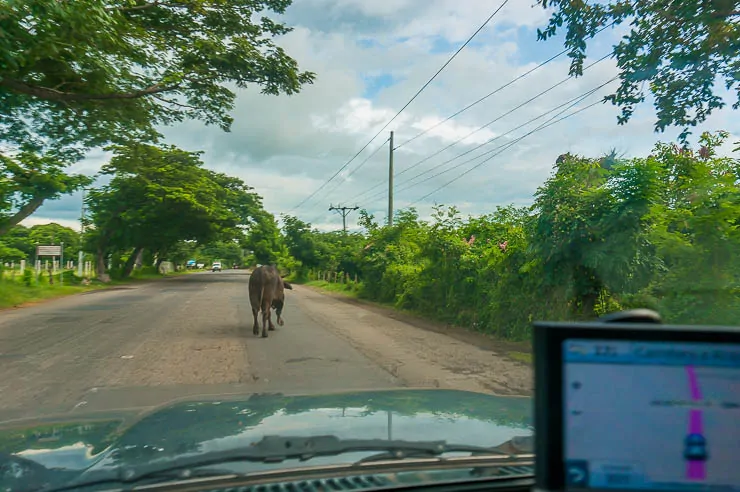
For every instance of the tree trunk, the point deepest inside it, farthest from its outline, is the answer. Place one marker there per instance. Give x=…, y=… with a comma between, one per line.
x=21, y=214
x=129, y=267
x=100, y=266
x=139, y=261
x=160, y=259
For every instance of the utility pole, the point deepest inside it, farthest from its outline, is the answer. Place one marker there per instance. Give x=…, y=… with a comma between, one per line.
x=80, y=254
x=390, y=182
x=344, y=211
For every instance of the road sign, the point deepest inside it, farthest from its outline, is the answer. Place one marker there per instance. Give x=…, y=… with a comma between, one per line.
x=48, y=251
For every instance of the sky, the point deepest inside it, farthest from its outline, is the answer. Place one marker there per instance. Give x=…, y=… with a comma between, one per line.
x=370, y=58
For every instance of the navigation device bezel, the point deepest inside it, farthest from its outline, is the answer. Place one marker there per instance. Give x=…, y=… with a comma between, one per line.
x=548, y=338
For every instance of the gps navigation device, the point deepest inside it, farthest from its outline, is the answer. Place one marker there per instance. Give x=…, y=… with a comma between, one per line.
x=637, y=406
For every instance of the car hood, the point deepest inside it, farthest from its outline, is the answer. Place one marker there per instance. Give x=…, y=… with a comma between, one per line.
x=192, y=427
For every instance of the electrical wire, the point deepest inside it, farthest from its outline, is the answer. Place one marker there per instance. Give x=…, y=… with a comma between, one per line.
x=491, y=93
x=407, y=104
x=337, y=185
x=576, y=100
x=540, y=94
x=547, y=124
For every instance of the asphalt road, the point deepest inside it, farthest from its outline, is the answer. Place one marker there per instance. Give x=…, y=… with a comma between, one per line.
x=183, y=336
x=144, y=345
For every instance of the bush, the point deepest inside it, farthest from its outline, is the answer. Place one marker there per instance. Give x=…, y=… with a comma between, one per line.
x=28, y=277
x=659, y=232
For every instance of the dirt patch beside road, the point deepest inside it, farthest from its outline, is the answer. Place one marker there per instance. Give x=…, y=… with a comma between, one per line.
x=419, y=352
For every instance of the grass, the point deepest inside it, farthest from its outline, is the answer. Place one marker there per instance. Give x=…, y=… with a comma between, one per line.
x=349, y=290
x=14, y=293
x=520, y=356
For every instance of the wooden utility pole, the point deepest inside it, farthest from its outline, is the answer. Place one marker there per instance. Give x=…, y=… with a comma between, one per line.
x=344, y=211
x=390, y=182
x=81, y=254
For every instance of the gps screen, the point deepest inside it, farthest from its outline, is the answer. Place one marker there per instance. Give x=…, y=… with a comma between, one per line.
x=651, y=416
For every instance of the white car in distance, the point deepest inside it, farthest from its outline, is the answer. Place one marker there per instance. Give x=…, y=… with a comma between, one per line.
x=216, y=266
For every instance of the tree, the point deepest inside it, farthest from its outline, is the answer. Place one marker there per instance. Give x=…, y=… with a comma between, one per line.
x=300, y=241
x=28, y=179
x=18, y=239
x=264, y=240
x=590, y=231
x=44, y=234
x=160, y=196
x=83, y=74
x=228, y=252
x=80, y=74
x=679, y=48
x=696, y=233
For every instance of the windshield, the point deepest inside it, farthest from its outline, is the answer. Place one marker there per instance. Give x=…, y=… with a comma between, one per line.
x=221, y=221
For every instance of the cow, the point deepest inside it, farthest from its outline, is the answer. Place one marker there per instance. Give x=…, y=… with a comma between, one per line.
x=266, y=291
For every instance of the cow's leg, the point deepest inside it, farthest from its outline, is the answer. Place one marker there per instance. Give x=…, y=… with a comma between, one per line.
x=265, y=319
x=268, y=325
x=256, y=325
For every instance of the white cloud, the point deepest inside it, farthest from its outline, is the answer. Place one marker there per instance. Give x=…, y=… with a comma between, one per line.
x=286, y=147
x=40, y=220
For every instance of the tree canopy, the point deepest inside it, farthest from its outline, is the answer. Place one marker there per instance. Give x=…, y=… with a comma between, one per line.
x=160, y=196
x=80, y=74
x=26, y=180
x=680, y=50
x=20, y=242
x=88, y=73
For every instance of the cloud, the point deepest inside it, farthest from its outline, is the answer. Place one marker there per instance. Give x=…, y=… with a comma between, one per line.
x=370, y=59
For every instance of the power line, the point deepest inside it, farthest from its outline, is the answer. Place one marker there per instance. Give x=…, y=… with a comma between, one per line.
x=490, y=94
x=575, y=100
x=507, y=146
x=540, y=94
x=354, y=170
x=570, y=103
x=416, y=164
x=407, y=104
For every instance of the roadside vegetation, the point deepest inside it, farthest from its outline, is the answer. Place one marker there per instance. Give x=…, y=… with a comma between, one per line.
x=602, y=235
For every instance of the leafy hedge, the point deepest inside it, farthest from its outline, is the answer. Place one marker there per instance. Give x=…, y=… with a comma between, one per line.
x=602, y=235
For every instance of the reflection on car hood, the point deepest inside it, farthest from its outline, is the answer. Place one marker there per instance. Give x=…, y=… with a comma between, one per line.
x=194, y=427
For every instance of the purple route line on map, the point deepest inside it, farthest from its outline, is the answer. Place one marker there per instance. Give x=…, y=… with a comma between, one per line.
x=695, y=470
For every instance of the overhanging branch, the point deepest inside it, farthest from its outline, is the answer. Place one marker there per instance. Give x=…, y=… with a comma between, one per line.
x=55, y=95
x=148, y=5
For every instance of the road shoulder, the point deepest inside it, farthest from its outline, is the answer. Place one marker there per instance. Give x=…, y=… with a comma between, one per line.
x=419, y=352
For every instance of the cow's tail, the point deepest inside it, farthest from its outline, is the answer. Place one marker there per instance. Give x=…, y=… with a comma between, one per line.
x=262, y=296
